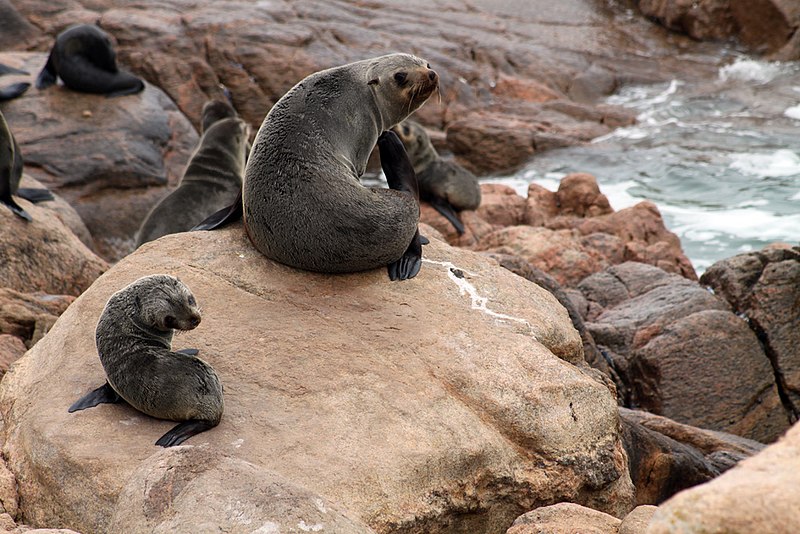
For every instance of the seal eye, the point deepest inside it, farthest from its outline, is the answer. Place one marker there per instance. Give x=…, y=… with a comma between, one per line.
x=406, y=130
x=191, y=301
x=401, y=78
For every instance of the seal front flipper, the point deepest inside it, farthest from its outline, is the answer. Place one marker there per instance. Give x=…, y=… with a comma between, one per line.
x=47, y=76
x=189, y=352
x=448, y=212
x=35, y=194
x=410, y=262
x=13, y=90
x=396, y=164
x=16, y=208
x=222, y=217
x=184, y=431
x=103, y=394
x=7, y=69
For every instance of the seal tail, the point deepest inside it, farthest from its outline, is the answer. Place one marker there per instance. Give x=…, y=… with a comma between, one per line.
x=13, y=91
x=47, y=76
x=222, y=217
x=35, y=194
x=184, y=431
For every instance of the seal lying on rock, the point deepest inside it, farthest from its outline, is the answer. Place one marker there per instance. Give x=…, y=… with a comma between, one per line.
x=85, y=60
x=11, y=173
x=302, y=200
x=445, y=185
x=212, y=179
x=134, y=337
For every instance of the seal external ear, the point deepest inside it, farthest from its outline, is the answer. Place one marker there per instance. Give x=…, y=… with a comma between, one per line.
x=103, y=394
x=400, y=176
x=184, y=431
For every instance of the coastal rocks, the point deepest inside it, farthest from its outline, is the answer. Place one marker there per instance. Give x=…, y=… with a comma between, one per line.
x=419, y=429
x=767, y=26
x=123, y=153
x=44, y=255
x=764, y=287
x=680, y=352
x=758, y=495
x=30, y=316
x=565, y=518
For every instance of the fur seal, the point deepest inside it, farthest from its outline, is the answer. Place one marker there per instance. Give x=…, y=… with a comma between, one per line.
x=134, y=337
x=302, y=202
x=11, y=165
x=212, y=178
x=86, y=61
x=444, y=184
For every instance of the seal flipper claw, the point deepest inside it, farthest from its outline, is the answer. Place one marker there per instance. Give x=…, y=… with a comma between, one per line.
x=103, y=394
x=222, y=217
x=183, y=431
x=448, y=212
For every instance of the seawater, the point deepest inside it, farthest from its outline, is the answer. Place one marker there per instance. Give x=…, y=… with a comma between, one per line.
x=720, y=158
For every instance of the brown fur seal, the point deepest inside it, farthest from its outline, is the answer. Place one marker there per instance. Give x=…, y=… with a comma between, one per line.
x=211, y=181
x=11, y=165
x=134, y=338
x=303, y=203
x=86, y=61
x=445, y=185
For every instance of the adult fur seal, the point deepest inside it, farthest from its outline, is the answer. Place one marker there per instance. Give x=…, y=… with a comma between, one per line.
x=302, y=200
x=134, y=337
x=11, y=165
x=212, y=179
x=445, y=185
x=86, y=61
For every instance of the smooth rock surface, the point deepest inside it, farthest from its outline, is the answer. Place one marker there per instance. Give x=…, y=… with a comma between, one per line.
x=565, y=518
x=408, y=404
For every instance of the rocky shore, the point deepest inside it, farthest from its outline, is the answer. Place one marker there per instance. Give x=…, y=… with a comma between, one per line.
x=558, y=367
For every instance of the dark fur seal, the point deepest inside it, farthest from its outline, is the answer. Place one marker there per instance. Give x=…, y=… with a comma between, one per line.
x=134, y=337
x=85, y=60
x=302, y=200
x=11, y=165
x=212, y=179
x=445, y=185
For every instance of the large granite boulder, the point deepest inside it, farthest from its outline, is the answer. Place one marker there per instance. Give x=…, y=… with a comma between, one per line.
x=681, y=352
x=110, y=158
x=764, y=287
x=758, y=495
x=452, y=402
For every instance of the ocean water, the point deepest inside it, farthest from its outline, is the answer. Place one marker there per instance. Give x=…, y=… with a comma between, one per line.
x=720, y=158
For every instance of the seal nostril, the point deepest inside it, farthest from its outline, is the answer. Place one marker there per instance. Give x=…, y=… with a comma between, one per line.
x=432, y=75
x=195, y=320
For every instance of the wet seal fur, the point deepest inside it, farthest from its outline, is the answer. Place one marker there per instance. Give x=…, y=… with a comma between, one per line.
x=212, y=178
x=134, y=338
x=444, y=184
x=302, y=200
x=84, y=58
x=11, y=165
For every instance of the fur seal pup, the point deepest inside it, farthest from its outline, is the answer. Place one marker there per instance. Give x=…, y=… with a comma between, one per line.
x=445, y=185
x=302, y=200
x=86, y=61
x=134, y=337
x=212, y=178
x=11, y=165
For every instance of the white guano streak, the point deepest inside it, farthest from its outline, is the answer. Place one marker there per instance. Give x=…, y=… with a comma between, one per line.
x=478, y=302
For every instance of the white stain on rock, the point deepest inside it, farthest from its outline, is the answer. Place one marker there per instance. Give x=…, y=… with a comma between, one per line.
x=310, y=528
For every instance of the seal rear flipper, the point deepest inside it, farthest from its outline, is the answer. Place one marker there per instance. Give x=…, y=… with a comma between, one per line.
x=13, y=90
x=101, y=395
x=132, y=90
x=183, y=431
x=409, y=263
x=189, y=352
x=47, y=76
x=16, y=208
x=7, y=69
x=35, y=194
x=222, y=217
x=448, y=212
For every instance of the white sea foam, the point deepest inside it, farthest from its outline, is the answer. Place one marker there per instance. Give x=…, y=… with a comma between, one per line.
x=743, y=223
x=751, y=70
x=793, y=112
x=782, y=162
